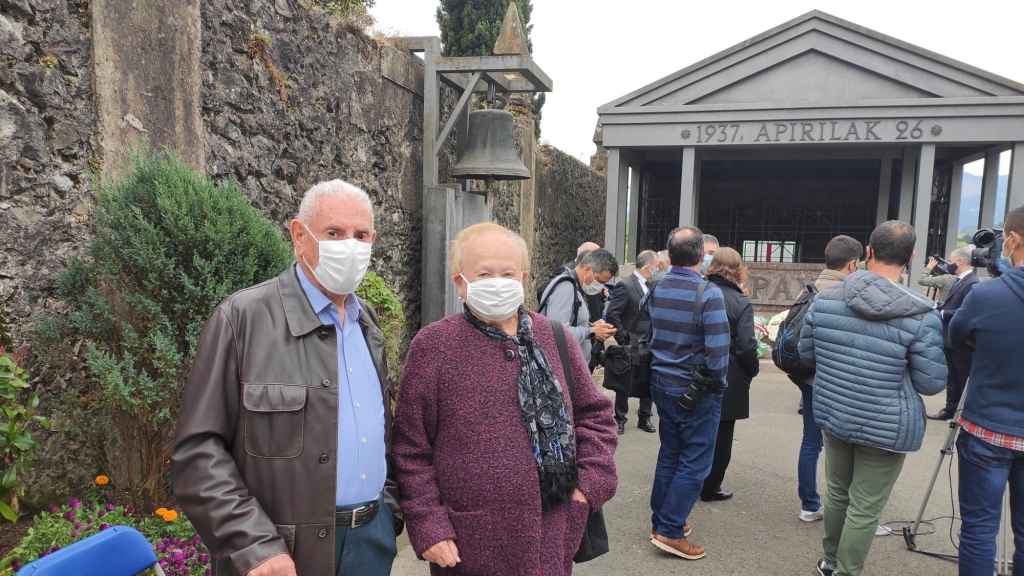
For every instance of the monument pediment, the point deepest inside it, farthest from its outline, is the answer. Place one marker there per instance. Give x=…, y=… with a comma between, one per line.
x=816, y=60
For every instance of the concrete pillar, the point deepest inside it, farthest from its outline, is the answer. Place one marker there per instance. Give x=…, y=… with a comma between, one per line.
x=688, y=189
x=433, y=236
x=989, y=186
x=134, y=49
x=462, y=210
x=615, y=203
x=906, y=212
x=1015, y=191
x=955, y=199
x=884, y=184
x=922, y=209
x=634, y=210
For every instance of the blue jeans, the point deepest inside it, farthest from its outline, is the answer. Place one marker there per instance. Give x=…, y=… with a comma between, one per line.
x=368, y=550
x=684, y=460
x=810, y=450
x=985, y=471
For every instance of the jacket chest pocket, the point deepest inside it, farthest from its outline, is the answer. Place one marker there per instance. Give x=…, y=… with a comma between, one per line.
x=273, y=420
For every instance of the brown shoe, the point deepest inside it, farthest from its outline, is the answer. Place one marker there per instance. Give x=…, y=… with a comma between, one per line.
x=687, y=530
x=678, y=547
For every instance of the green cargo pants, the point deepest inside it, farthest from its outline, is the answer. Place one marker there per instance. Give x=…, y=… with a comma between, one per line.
x=860, y=480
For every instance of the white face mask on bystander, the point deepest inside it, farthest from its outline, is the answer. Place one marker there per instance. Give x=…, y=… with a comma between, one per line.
x=343, y=263
x=494, y=299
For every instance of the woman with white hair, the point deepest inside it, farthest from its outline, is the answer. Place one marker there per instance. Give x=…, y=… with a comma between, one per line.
x=500, y=454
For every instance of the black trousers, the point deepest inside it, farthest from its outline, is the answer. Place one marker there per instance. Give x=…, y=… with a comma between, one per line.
x=959, y=365
x=622, y=407
x=723, y=454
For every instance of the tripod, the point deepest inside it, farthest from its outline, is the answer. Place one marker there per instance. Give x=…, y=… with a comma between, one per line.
x=1004, y=564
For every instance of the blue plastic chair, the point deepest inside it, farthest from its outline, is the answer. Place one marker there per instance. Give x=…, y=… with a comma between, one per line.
x=116, y=551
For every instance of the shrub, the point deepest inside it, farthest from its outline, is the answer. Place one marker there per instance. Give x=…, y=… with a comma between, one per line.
x=169, y=245
x=18, y=407
x=354, y=14
x=391, y=316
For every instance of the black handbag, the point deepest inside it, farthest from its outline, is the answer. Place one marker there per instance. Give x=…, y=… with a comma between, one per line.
x=618, y=369
x=595, y=536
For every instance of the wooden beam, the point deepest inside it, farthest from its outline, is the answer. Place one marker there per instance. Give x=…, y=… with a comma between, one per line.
x=522, y=65
x=460, y=107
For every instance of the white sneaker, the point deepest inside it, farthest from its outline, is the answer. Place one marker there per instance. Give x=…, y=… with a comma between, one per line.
x=807, y=516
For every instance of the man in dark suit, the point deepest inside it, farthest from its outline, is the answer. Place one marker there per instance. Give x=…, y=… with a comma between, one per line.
x=957, y=359
x=624, y=313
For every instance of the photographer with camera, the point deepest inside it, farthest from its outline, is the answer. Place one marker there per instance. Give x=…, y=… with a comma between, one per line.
x=958, y=358
x=938, y=278
x=689, y=343
x=992, y=448
x=875, y=345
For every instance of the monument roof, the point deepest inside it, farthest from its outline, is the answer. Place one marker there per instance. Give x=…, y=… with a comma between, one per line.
x=816, y=61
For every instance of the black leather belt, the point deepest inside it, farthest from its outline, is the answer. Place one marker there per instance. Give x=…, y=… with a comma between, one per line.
x=357, y=516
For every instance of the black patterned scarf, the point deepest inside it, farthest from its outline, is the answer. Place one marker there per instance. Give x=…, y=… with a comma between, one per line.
x=543, y=409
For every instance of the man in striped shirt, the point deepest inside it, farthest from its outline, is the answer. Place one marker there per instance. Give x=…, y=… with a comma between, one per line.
x=679, y=345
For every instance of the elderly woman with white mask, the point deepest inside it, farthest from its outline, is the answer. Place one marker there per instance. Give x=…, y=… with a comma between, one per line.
x=499, y=463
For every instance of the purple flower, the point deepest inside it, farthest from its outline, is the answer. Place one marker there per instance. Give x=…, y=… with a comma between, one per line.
x=75, y=503
x=69, y=515
x=109, y=507
x=104, y=526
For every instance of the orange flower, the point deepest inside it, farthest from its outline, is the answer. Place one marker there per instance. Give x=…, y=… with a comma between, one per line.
x=102, y=480
x=161, y=511
x=170, y=516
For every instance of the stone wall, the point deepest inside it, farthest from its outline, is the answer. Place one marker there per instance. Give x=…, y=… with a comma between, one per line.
x=47, y=143
x=570, y=210
x=291, y=98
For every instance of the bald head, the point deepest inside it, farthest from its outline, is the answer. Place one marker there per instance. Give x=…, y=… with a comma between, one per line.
x=587, y=247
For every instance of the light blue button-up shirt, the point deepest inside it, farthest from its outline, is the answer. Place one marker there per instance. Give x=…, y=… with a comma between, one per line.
x=361, y=463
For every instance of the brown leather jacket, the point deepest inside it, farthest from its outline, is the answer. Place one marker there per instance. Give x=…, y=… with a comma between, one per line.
x=253, y=464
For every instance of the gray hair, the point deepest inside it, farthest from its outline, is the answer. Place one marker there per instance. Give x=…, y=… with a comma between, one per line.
x=711, y=239
x=311, y=199
x=600, y=261
x=646, y=257
x=663, y=255
x=962, y=253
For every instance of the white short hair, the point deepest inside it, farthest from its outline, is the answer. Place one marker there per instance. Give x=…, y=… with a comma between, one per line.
x=310, y=200
x=962, y=253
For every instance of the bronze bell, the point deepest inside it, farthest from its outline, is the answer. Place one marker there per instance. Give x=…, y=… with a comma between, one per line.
x=489, y=151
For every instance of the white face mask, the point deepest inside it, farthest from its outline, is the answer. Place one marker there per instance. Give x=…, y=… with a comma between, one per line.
x=494, y=299
x=343, y=263
x=593, y=289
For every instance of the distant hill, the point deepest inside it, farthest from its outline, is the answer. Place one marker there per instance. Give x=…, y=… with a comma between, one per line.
x=970, y=208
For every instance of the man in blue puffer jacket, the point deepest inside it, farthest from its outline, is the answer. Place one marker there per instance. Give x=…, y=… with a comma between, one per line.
x=876, y=345
x=991, y=445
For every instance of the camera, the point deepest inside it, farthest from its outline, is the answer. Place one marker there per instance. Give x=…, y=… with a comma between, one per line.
x=988, y=249
x=943, y=267
x=704, y=382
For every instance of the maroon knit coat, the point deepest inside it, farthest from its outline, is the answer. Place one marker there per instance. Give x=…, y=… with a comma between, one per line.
x=463, y=459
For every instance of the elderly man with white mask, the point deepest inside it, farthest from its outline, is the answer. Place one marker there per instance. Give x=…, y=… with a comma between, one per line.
x=281, y=453
x=503, y=445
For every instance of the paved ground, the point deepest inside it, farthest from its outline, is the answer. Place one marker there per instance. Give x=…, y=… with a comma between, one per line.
x=758, y=531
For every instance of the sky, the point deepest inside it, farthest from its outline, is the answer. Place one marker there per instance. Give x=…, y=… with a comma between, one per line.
x=598, y=50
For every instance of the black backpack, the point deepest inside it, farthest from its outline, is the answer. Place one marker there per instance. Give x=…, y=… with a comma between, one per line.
x=784, y=352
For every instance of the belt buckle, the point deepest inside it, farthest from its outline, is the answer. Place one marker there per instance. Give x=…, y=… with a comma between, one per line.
x=355, y=513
